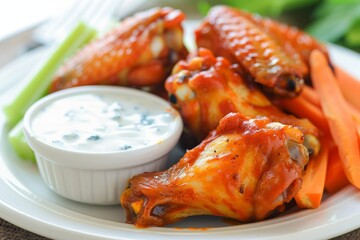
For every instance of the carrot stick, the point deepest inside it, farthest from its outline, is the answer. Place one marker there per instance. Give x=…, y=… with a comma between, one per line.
x=305, y=109
x=335, y=175
x=355, y=113
x=341, y=124
x=349, y=86
x=312, y=189
x=309, y=94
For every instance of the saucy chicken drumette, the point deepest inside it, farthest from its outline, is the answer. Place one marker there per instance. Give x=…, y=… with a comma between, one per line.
x=205, y=88
x=246, y=169
x=275, y=55
x=139, y=52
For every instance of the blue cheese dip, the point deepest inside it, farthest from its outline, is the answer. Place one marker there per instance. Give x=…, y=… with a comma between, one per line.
x=102, y=122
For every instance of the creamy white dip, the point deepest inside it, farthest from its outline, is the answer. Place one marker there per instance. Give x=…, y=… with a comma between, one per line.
x=90, y=122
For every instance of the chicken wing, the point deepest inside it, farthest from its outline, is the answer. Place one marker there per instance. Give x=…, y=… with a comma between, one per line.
x=273, y=54
x=291, y=38
x=205, y=88
x=140, y=52
x=246, y=169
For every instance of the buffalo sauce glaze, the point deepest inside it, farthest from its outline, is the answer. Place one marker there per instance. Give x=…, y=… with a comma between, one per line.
x=138, y=52
x=206, y=88
x=242, y=170
x=274, y=54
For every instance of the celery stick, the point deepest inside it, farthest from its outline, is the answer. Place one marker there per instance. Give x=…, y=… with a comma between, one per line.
x=17, y=141
x=39, y=83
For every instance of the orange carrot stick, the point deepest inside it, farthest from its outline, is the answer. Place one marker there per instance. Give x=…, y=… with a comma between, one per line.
x=314, y=115
x=349, y=86
x=305, y=109
x=355, y=113
x=309, y=94
x=311, y=192
x=341, y=124
x=335, y=176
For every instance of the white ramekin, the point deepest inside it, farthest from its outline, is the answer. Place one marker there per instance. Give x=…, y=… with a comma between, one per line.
x=97, y=178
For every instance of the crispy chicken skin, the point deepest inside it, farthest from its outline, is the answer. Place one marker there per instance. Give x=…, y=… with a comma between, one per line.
x=140, y=52
x=246, y=169
x=291, y=38
x=273, y=54
x=205, y=88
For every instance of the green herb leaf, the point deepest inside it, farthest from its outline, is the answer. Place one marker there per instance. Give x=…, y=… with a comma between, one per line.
x=269, y=7
x=333, y=21
x=203, y=7
x=352, y=37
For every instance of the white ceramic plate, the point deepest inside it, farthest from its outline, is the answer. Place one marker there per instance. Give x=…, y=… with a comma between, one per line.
x=27, y=202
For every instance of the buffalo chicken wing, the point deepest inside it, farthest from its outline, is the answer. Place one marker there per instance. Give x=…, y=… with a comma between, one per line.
x=140, y=52
x=273, y=54
x=205, y=88
x=246, y=169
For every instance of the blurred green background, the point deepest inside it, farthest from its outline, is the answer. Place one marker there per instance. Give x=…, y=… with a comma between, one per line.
x=336, y=21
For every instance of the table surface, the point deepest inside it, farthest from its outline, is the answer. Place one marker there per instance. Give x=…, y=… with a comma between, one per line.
x=10, y=231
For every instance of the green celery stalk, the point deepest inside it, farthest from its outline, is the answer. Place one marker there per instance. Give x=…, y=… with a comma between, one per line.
x=40, y=81
x=17, y=141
